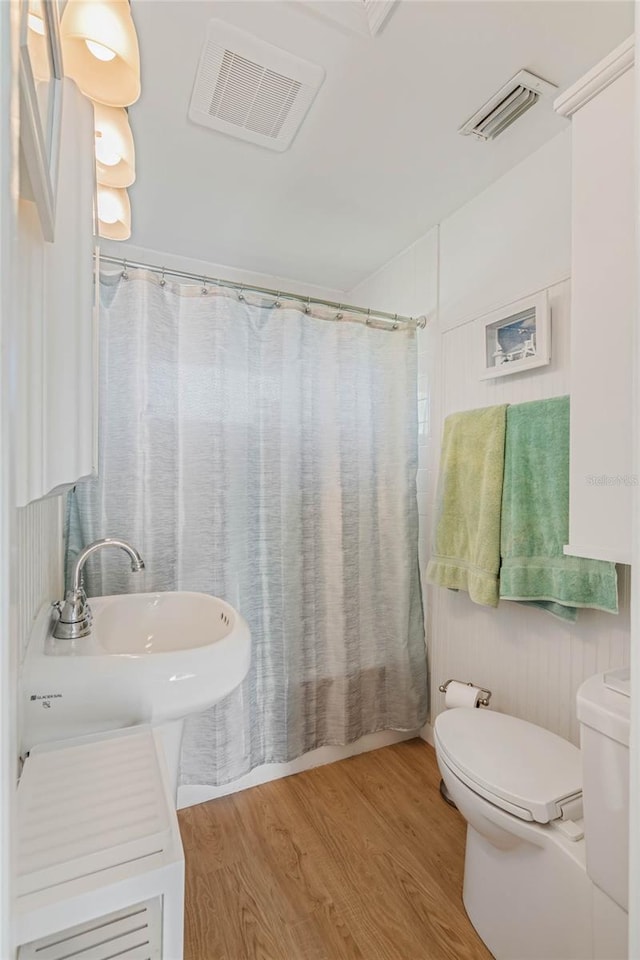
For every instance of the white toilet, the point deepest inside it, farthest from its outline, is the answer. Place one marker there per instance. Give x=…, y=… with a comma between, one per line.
x=547, y=837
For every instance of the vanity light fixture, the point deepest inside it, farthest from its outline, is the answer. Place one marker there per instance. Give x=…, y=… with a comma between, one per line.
x=115, y=152
x=100, y=48
x=114, y=213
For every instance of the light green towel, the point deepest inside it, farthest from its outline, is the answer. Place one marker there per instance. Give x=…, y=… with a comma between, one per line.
x=466, y=553
x=535, y=518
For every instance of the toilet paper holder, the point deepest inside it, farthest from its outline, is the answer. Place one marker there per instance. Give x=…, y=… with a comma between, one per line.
x=484, y=700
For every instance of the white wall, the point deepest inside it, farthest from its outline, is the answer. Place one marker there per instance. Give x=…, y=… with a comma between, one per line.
x=634, y=773
x=32, y=576
x=9, y=25
x=511, y=240
x=214, y=271
x=30, y=538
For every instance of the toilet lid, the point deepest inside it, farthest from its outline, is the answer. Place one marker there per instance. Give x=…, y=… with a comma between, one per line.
x=516, y=765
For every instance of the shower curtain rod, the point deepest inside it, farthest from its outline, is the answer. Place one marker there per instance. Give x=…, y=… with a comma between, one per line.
x=394, y=318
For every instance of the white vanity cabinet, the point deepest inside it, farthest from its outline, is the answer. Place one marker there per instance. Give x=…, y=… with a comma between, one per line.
x=601, y=108
x=99, y=866
x=56, y=366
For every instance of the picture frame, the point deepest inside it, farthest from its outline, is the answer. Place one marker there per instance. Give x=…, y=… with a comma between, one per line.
x=515, y=338
x=40, y=81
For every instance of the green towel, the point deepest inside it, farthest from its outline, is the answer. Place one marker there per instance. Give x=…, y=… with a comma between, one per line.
x=466, y=553
x=535, y=518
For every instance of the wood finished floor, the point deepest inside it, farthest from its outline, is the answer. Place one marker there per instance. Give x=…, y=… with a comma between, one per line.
x=357, y=860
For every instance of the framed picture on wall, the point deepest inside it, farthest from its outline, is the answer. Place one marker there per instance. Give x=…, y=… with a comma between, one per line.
x=40, y=114
x=516, y=337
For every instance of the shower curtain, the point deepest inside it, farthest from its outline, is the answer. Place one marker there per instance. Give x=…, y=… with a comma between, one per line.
x=268, y=457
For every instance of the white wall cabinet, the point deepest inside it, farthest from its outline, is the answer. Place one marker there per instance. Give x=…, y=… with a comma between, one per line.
x=56, y=366
x=601, y=107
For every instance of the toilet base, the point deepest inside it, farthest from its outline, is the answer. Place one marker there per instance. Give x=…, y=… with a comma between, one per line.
x=533, y=902
x=446, y=796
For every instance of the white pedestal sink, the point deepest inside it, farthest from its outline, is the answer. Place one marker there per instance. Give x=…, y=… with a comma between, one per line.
x=150, y=658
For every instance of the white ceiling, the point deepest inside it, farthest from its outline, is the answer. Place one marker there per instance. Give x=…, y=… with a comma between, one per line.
x=378, y=160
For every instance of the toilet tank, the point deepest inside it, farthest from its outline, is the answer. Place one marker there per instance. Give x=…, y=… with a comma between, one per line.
x=603, y=713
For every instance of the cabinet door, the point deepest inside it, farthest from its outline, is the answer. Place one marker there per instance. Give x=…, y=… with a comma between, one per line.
x=70, y=328
x=603, y=314
x=56, y=368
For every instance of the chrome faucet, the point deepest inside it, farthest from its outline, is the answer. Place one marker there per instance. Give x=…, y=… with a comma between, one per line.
x=75, y=613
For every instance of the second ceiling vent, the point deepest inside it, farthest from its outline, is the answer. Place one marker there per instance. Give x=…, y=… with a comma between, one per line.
x=251, y=89
x=509, y=103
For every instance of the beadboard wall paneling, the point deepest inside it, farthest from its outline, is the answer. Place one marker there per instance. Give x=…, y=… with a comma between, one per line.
x=38, y=562
x=511, y=241
x=531, y=661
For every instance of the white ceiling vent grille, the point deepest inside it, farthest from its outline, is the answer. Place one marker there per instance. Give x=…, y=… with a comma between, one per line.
x=377, y=12
x=363, y=17
x=509, y=103
x=250, y=89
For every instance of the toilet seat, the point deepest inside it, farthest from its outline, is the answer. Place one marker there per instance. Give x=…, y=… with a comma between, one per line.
x=516, y=765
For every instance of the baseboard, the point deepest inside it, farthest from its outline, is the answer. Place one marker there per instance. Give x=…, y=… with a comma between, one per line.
x=427, y=734
x=190, y=794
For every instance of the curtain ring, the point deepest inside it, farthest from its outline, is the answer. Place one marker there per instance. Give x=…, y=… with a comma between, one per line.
x=369, y=315
x=339, y=315
x=277, y=301
x=162, y=279
x=204, y=290
x=307, y=308
x=124, y=274
x=395, y=322
x=241, y=294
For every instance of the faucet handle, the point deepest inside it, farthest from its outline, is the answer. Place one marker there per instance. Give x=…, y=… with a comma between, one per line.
x=74, y=616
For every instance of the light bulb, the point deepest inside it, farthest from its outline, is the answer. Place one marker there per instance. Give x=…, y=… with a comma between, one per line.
x=114, y=213
x=106, y=150
x=99, y=51
x=108, y=208
x=108, y=157
x=36, y=24
x=115, y=151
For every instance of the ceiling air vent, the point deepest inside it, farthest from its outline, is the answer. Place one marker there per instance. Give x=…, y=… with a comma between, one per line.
x=363, y=17
x=509, y=103
x=250, y=89
x=377, y=12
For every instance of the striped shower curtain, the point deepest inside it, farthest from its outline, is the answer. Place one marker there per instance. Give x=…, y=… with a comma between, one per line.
x=267, y=457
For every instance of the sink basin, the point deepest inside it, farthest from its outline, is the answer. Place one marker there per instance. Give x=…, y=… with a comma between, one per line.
x=144, y=624
x=150, y=658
